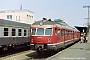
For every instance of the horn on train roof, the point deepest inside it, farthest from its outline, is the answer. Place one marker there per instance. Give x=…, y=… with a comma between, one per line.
x=49, y=20
x=44, y=18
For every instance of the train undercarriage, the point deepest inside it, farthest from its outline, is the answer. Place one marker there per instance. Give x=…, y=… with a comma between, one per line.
x=51, y=47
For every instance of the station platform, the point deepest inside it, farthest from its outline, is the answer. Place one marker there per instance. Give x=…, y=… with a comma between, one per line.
x=79, y=51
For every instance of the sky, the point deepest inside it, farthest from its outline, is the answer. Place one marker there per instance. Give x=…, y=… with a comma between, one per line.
x=71, y=11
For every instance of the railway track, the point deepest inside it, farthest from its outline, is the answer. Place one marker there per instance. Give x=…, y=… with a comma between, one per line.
x=26, y=55
x=29, y=55
x=15, y=56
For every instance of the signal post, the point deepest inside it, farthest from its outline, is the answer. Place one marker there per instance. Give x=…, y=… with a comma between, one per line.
x=88, y=22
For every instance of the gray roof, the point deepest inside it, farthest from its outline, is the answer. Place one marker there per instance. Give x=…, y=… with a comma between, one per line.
x=44, y=22
x=47, y=22
x=12, y=23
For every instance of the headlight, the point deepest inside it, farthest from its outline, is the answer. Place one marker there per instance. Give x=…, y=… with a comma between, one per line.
x=49, y=40
x=31, y=40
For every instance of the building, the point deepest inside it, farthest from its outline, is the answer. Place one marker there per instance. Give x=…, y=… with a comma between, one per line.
x=22, y=15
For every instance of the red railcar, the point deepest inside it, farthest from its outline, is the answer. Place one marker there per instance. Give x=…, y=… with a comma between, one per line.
x=52, y=35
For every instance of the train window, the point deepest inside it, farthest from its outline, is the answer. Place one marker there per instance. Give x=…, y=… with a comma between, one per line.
x=5, y=31
x=55, y=31
x=13, y=32
x=67, y=33
x=70, y=33
x=40, y=31
x=58, y=32
x=62, y=32
x=33, y=31
x=25, y=32
x=19, y=32
x=48, y=31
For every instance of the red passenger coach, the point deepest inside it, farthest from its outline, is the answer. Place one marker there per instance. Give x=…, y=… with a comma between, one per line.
x=47, y=35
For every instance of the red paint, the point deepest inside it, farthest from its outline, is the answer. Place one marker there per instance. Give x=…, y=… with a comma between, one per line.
x=54, y=38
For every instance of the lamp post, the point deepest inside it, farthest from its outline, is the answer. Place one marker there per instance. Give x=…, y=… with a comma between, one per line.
x=88, y=22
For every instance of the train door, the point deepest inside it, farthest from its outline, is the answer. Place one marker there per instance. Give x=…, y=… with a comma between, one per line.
x=73, y=36
x=63, y=37
x=58, y=35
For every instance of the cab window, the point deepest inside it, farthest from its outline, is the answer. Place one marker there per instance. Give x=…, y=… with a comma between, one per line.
x=33, y=31
x=48, y=31
x=40, y=31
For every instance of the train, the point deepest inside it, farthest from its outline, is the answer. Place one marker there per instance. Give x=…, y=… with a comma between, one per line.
x=48, y=35
x=14, y=34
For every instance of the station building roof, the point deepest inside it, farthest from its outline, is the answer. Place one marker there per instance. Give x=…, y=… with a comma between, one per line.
x=81, y=28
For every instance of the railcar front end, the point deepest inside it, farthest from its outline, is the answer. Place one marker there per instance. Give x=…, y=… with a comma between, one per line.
x=50, y=35
x=42, y=38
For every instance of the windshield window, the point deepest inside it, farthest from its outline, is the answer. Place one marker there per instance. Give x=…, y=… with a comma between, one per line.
x=33, y=31
x=48, y=31
x=40, y=31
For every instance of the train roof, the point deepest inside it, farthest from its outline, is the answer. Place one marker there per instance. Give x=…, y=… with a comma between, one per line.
x=44, y=22
x=55, y=22
x=12, y=23
x=49, y=22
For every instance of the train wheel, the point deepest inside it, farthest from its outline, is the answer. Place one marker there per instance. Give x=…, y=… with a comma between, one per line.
x=5, y=48
x=39, y=50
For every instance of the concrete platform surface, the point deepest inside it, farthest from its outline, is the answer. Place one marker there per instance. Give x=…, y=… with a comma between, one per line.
x=79, y=51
